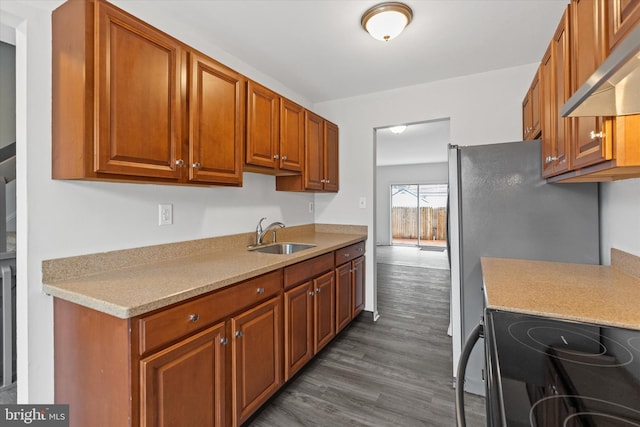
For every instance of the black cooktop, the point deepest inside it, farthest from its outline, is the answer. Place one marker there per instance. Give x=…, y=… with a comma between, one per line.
x=558, y=373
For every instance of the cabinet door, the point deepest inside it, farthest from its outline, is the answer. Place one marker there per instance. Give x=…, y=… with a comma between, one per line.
x=314, y=152
x=624, y=15
x=534, y=92
x=324, y=310
x=139, y=102
x=548, y=113
x=561, y=77
x=263, y=113
x=330, y=157
x=343, y=296
x=291, y=135
x=531, y=110
x=257, y=358
x=526, y=116
x=298, y=328
x=588, y=50
x=216, y=123
x=184, y=384
x=358, y=284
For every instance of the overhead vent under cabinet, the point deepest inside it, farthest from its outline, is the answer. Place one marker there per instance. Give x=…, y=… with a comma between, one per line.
x=614, y=88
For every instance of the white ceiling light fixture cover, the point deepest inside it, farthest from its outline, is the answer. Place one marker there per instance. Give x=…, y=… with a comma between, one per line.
x=386, y=21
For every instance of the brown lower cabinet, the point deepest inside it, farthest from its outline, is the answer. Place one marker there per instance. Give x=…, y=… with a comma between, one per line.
x=350, y=283
x=176, y=386
x=257, y=358
x=209, y=361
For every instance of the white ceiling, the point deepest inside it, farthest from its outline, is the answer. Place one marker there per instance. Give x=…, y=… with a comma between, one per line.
x=318, y=49
x=420, y=143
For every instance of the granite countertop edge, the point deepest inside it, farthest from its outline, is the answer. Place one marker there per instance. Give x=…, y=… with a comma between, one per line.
x=135, y=290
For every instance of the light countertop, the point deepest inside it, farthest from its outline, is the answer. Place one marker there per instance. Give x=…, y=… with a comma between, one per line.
x=606, y=295
x=132, y=282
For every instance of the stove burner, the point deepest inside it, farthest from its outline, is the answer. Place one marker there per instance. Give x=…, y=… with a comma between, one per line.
x=608, y=413
x=569, y=342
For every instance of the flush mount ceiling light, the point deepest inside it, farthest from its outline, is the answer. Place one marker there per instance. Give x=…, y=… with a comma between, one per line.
x=397, y=129
x=386, y=21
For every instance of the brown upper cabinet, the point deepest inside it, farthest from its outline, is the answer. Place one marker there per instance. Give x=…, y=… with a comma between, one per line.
x=531, y=110
x=585, y=149
x=589, y=49
x=556, y=130
x=131, y=103
x=624, y=15
x=320, y=171
x=275, y=132
x=120, y=112
x=216, y=123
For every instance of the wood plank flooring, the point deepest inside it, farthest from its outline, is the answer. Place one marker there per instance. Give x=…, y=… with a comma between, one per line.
x=393, y=372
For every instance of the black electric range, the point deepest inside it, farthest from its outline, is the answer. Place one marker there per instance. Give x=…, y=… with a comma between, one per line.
x=544, y=372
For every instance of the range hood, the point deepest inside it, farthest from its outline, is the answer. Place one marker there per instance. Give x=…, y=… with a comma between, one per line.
x=614, y=88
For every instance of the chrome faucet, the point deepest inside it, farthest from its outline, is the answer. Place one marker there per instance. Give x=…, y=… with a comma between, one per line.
x=260, y=232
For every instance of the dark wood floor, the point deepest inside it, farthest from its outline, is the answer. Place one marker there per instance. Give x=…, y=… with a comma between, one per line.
x=394, y=372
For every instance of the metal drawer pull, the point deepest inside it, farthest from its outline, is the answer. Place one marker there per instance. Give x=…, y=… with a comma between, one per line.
x=260, y=291
x=346, y=255
x=594, y=135
x=179, y=162
x=238, y=334
x=224, y=341
x=194, y=317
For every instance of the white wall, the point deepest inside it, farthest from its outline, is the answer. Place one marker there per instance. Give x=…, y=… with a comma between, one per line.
x=483, y=108
x=64, y=218
x=426, y=173
x=619, y=218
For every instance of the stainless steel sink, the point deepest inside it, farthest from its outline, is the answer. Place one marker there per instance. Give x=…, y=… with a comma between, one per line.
x=281, y=248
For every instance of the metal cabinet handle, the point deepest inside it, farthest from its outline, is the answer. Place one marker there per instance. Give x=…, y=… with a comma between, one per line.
x=238, y=334
x=179, y=162
x=276, y=156
x=284, y=157
x=346, y=255
x=360, y=249
x=194, y=317
x=593, y=135
x=197, y=165
x=327, y=181
x=550, y=159
x=224, y=341
x=260, y=291
x=323, y=181
x=311, y=293
x=318, y=290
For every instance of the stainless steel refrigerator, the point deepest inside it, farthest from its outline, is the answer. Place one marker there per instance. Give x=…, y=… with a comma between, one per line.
x=500, y=206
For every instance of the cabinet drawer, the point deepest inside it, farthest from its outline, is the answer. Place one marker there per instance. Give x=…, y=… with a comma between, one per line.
x=350, y=252
x=170, y=324
x=306, y=270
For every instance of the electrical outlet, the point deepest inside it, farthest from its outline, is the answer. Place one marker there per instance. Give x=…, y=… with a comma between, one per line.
x=363, y=203
x=310, y=207
x=165, y=214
